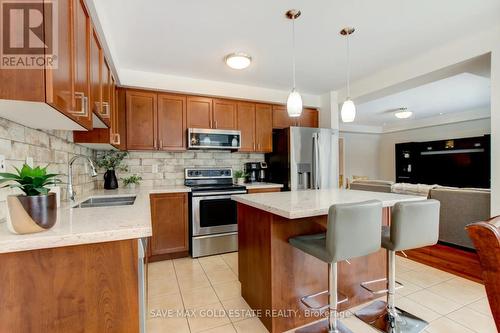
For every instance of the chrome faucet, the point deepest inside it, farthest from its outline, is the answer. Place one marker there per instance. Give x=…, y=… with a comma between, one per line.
x=93, y=173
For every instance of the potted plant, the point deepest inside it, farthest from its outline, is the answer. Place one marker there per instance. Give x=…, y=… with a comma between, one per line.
x=132, y=181
x=36, y=209
x=240, y=175
x=112, y=161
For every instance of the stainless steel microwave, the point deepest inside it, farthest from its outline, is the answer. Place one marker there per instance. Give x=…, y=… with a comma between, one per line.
x=199, y=138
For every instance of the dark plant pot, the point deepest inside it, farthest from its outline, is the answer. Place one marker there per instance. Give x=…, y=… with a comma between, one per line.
x=110, y=181
x=29, y=214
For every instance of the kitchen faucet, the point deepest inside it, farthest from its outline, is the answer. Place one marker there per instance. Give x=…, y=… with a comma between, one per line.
x=93, y=173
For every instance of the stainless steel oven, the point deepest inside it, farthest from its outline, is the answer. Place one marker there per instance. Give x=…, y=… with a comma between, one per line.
x=214, y=219
x=214, y=212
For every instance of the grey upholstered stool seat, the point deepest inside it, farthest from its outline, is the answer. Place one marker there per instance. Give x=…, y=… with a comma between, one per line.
x=353, y=230
x=413, y=225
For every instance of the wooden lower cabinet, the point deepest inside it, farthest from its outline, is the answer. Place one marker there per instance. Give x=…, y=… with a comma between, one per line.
x=169, y=217
x=82, y=288
x=263, y=190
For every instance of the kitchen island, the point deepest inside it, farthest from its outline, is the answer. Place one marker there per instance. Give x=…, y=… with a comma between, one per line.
x=274, y=275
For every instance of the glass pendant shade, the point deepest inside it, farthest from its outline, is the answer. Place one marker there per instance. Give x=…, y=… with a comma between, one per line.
x=348, y=112
x=294, y=104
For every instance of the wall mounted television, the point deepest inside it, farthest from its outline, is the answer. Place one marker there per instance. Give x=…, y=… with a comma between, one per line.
x=462, y=162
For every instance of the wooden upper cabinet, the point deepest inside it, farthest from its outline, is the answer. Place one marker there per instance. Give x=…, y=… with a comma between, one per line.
x=95, y=75
x=81, y=34
x=169, y=219
x=172, y=122
x=106, y=91
x=309, y=118
x=141, y=120
x=59, y=87
x=121, y=118
x=264, y=128
x=199, y=112
x=281, y=118
x=224, y=114
x=246, y=124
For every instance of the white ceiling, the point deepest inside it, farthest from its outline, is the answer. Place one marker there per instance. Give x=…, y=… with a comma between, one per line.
x=191, y=37
x=455, y=94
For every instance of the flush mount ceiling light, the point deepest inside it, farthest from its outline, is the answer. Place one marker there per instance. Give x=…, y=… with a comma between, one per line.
x=403, y=113
x=238, y=60
x=348, y=111
x=294, y=101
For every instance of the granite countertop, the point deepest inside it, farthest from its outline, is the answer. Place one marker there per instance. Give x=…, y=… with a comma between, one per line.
x=258, y=185
x=297, y=204
x=76, y=226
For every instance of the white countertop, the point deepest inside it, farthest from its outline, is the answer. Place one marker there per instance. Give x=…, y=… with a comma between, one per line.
x=76, y=226
x=297, y=204
x=262, y=185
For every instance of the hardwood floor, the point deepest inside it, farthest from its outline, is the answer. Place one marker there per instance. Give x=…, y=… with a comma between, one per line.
x=449, y=259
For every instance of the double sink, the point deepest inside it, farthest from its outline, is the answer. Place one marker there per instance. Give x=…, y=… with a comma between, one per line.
x=106, y=201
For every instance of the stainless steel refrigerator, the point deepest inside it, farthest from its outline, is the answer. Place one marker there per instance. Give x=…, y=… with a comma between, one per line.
x=304, y=158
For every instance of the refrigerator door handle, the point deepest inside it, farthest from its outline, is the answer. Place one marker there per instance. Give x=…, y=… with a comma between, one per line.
x=316, y=161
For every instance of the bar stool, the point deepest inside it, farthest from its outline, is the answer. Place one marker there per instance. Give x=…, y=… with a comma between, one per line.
x=353, y=230
x=413, y=225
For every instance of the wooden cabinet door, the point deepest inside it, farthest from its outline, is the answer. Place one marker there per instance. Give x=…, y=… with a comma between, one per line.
x=81, y=45
x=171, y=122
x=106, y=91
x=199, y=112
x=141, y=120
x=308, y=118
x=281, y=118
x=169, y=217
x=59, y=87
x=95, y=75
x=264, y=128
x=121, y=118
x=246, y=124
x=224, y=114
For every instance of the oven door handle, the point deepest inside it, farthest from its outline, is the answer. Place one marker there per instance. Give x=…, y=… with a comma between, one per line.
x=214, y=194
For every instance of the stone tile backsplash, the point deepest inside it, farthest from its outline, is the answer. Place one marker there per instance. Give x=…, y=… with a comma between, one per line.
x=52, y=148
x=169, y=166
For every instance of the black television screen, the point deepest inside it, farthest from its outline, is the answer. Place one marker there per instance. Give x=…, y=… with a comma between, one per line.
x=459, y=168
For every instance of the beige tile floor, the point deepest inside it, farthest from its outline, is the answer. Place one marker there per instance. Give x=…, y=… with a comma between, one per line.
x=204, y=295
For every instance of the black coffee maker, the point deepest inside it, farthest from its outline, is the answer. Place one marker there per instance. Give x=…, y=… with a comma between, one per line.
x=255, y=172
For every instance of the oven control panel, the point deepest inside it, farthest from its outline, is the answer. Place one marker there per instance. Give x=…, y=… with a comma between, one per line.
x=208, y=173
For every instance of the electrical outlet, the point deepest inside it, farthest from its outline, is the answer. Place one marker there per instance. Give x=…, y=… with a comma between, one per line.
x=2, y=163
x=29, y=161
x=155, y=168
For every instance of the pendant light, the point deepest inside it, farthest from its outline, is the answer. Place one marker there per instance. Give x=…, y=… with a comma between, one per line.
x=348, y=111
x=294, y=101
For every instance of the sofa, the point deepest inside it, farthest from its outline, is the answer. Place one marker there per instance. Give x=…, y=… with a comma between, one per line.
x=372, y=185
x=459, y=206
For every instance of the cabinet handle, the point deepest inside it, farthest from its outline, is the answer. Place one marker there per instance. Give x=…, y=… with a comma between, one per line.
x=161, y=144
x=116, y=138
x=215, y=123
x=84, y=108
x=254, y=146
x=258, y=146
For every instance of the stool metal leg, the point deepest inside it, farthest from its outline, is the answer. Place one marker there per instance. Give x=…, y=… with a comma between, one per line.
x=385, y=316
x=334, y=325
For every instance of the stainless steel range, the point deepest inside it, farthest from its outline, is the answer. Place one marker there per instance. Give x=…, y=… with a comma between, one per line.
x=214, y=224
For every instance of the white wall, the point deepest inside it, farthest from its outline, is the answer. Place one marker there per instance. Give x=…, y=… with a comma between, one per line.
x=361, y=152
x=148, y=80
x=387, y=143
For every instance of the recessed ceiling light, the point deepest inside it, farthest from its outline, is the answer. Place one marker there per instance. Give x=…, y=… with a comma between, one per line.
x=403, y=113
x=238, y=60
